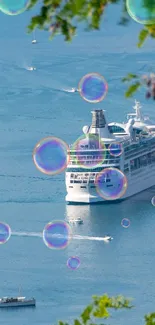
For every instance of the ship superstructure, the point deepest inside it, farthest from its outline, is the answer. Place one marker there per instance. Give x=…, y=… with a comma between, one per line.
x=137, y=161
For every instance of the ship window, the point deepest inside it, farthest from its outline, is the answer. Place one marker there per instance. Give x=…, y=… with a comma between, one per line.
x=77, y=182
x=92, y=186
x=83, y=186
x=115, y=129
x=70, y=186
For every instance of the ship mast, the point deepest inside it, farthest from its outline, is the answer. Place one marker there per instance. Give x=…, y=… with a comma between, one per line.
x=137, y=108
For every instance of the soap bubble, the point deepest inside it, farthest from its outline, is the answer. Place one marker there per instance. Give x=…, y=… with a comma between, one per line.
x=115, y=149
x=93, y=88
x=142, y=11
x=111, y=183
x=153, y=201
x=125, y=223
x=87, y=159
x=73, y=262
x=57, y=235
x=5, y=233
x=13, y=7
x=50, y=155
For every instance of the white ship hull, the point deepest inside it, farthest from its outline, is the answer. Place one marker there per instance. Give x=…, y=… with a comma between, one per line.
x=138, y=181
x=18, y=304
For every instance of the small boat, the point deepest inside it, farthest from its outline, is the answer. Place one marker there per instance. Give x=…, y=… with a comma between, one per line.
x=31, y=68
x=6, y=302
x=34, y=41
x=75, y=221
x=108, y=238
x=79, y=221
x=73, y=90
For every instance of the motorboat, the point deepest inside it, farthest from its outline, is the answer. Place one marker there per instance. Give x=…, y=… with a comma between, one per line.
x=31, y=68
x=6, y=302
x=79, y=221
x=34, y=41
x=108, y=237
x=74, y=90
x=76, y=221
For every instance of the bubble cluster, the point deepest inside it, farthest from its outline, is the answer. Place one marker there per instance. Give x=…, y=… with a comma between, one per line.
x=57, y=235
x=73, y=262
x=125, y=223
x=142, y=11
x=51, y=156
x=93, y=88
x=5, y=233
x=13, y=7
x=153, y=201
x=85, y=159
x=115, y=149
x=111, y=183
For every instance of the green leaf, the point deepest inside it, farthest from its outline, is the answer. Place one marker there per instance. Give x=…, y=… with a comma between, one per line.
x=142, y=37
x=86, y=314
x=132, y=89
x=77, y=322
x=129, y=77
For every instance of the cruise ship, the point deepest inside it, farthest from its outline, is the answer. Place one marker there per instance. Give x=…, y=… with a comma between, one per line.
x=137, y=160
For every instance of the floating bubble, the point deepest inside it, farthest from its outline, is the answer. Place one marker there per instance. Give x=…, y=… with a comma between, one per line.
x=13, y=7
x=153, y=201
x=115, y=149
x=5, y=233
x=142, y=11
x=93, y=88
x=73, y=262
x=50, y=155
x=57, y=235
x=111, y=183
x=125, y=223
x=83, y=157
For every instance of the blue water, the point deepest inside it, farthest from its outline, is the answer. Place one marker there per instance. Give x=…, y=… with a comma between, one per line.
x=32, y=106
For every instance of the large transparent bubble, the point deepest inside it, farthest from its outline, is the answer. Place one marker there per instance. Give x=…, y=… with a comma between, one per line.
x=13, y=7
x=142, y=11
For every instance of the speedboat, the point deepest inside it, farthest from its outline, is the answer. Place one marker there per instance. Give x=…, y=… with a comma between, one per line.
x=34, y=41
x=74, y=90
x=108, y=238
x=75, y=221
x=31, y=68
x=6, y=302
x=79, y=221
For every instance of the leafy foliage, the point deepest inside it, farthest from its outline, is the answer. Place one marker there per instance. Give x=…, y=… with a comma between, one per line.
x=99, y=308
x=63, y=17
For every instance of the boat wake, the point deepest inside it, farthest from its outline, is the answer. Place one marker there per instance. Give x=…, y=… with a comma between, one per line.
x=40, y=234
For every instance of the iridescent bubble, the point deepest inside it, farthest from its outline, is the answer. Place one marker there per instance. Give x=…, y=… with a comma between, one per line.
x=93, y=88
x=73, y=262
x=142, y=11
x=125, y=223
x=153, y=201
x=57, y=235
x=85, y=158
x=13, y=7
x=115, y=149
x=51, y=156
x=5, y=233
x=111, y=183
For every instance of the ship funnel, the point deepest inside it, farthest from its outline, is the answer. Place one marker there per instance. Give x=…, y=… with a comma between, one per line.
x=98, y=119
x=99, y=125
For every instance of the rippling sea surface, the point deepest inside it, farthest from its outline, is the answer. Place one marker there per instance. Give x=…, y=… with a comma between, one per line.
x=33, y=106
